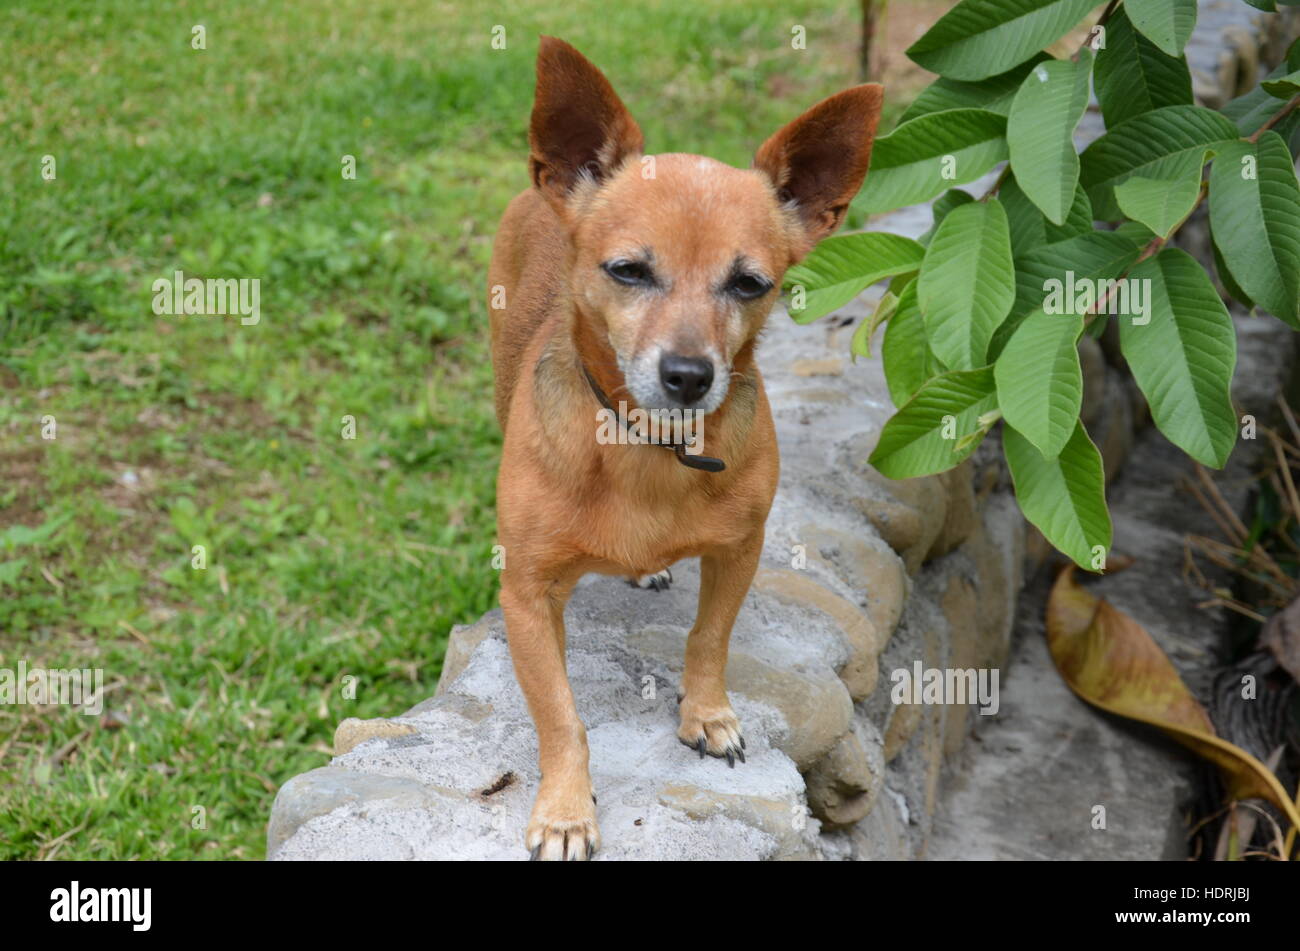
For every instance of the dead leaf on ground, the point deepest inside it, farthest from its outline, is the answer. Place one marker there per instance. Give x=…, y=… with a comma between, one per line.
x=1110, y=661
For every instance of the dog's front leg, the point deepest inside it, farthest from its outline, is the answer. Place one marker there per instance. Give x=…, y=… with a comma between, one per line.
x=563, y=823
x=708, y=723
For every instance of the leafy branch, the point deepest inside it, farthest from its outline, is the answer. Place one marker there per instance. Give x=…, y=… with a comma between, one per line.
x=984, y=313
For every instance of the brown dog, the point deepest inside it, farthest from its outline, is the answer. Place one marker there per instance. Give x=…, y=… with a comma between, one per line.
x=644, y=280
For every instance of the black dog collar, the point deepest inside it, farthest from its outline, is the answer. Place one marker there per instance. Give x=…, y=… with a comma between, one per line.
x=703, y=463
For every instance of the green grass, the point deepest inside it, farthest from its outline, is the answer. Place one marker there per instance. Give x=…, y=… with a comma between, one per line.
x=326, y=558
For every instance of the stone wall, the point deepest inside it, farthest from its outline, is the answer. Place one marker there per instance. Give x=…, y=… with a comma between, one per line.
x=860, y=576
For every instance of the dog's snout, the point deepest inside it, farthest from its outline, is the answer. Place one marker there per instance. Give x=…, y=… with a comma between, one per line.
x=685, y=379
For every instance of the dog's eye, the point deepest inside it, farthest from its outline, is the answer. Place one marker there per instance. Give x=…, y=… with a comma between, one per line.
x=748, y=286
x=632, y=273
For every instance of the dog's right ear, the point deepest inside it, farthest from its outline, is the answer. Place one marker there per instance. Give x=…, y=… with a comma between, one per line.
x=579, y=125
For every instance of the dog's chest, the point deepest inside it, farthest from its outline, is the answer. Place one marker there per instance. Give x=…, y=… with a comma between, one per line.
x=647, y=532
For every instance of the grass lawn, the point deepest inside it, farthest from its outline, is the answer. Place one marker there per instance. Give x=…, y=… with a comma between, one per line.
x=326, y=558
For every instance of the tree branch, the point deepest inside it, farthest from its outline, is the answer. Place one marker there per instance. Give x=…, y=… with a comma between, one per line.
x=1275, y=118
x=1101, y=21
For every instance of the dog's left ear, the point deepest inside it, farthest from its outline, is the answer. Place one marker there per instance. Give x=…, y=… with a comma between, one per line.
x=819, y=160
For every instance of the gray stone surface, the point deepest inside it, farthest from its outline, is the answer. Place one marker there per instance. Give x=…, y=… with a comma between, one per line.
x=421, y=795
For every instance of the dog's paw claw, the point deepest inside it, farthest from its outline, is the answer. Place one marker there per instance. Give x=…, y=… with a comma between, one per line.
x=717, y=734
x=560, y=832
x=659, y=581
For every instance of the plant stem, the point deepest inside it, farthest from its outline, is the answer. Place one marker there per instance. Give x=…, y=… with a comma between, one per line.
x=1275, y=118
x=1002, y=177
x=1101, y=21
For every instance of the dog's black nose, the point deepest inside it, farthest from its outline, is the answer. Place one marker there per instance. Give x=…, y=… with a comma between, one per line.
x=685, y=379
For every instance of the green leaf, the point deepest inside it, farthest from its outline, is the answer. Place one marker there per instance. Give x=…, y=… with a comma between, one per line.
x=1135, y=231
x=921, y=438
x=1097, y=255
x=1263, y=5
x=1183, y=357
x=1161, y=203
x=1150, y=145
x=899, y=282
x=942, y=205
x=993, y=94
x=905, y=351
x=1283, y=87
x=966, y=285
x=1064, y=497
x=860, y=345
x=1030, y=230
x=922, y=158
x=1078, y=221
x=1256, y=222
x=1133, y=76
x=1166, y=23
x=1040, y=133
x=981, y=38
x=1027, y=225
x=840, y=268
x=1040, y=382
x=1225, y=278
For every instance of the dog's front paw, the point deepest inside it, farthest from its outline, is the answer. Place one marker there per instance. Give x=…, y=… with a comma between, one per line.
x=659, y=581
x=712, y=729
x=563, y=825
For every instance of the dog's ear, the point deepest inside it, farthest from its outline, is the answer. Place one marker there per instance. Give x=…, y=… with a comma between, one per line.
x=579, y=126
x=818, y=161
